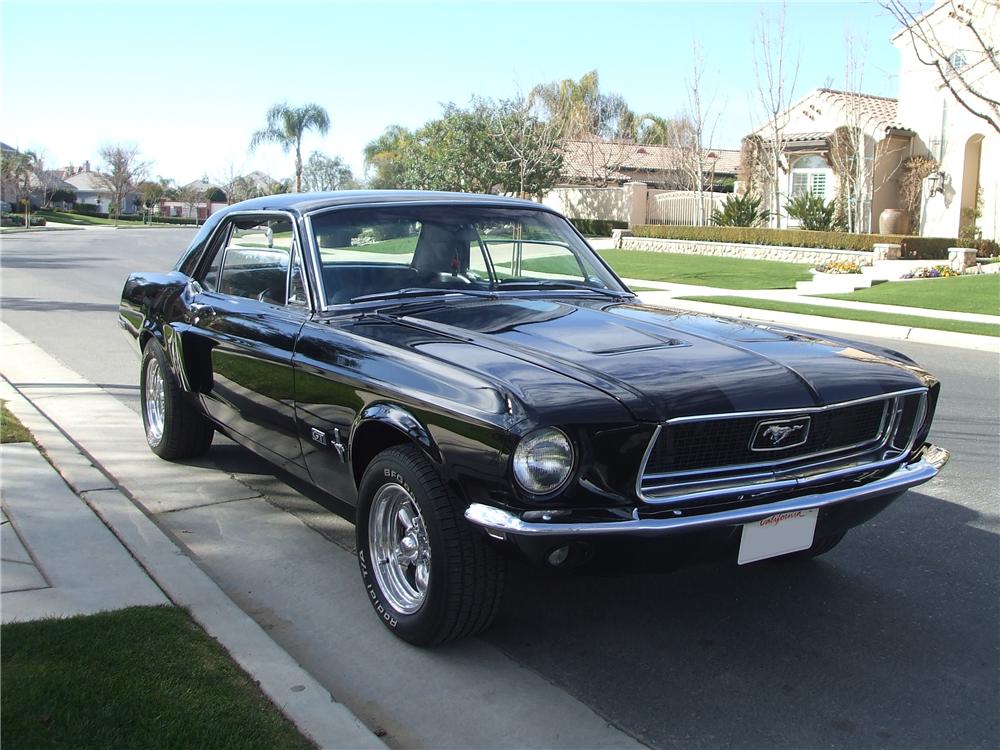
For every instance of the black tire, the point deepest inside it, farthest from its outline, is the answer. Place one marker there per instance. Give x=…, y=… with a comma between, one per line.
x=466, y=572
x=821, y=545
x=185, y=431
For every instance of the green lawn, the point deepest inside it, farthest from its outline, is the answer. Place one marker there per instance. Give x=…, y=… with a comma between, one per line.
x=973, y=294
x=394, y=246
x=11, y=430
x=706, y=270
x=144, y=677
x=912, y=321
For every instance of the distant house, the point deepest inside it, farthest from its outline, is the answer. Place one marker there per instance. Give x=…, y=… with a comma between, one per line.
x=810, y=129
x=193, y=201
x=965, y=147
x=92, y=190
x=603, y=163
x=961, y=193
x=49, y=182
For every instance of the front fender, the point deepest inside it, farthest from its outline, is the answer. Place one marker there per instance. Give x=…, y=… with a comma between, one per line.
x=399, y=419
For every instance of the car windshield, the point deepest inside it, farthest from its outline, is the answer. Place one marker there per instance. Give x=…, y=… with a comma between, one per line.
x=423, y=250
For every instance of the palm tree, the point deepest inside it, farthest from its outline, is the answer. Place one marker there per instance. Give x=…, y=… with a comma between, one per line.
x=654, y=130
x=286, y=125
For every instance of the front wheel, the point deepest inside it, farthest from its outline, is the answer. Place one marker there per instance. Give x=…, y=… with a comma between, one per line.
x=174, y=428
x=430, y=578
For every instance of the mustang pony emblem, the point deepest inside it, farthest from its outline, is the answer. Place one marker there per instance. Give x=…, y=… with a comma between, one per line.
x=779, y=434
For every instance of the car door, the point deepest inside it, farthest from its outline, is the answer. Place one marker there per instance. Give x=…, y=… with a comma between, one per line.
x=246, y=311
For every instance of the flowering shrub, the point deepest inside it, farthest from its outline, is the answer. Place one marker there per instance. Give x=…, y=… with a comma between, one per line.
x=931, y=272
x=838, y=266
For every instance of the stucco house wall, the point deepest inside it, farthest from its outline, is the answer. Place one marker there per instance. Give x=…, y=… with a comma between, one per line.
x=807, y=127
x=966, y=147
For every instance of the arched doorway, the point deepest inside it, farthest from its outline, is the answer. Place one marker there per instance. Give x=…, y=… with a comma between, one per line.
x=970, y=184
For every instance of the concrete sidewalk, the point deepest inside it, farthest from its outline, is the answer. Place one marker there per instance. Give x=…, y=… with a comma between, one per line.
x=58, y=559
x=73, y=544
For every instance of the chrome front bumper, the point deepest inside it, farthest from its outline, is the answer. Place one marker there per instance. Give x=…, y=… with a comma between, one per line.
x=499, y=523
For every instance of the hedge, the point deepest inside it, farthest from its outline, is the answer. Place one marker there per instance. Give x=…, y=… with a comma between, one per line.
x=172, y=220
x=920, y=248
x=17, y=220
x=598, y=227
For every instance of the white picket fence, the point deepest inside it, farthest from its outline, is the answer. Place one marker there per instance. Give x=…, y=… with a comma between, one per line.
x=681, y=207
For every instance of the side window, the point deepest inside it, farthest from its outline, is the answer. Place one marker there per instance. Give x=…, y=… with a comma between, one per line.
x=210, y=280
x=296, y=280
x=257, y=257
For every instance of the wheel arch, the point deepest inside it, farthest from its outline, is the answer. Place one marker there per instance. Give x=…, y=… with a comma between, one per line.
x=382, y=426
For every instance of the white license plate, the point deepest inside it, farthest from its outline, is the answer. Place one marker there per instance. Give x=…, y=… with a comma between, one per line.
x=777, y=535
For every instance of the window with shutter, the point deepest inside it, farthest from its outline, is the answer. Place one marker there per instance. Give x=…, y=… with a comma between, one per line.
x=817, y=184
x=800, y=184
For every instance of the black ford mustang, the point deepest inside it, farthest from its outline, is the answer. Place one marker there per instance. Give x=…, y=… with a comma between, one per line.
x=473, y=378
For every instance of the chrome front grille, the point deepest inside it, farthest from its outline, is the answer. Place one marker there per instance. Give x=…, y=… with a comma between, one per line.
x=717, y=455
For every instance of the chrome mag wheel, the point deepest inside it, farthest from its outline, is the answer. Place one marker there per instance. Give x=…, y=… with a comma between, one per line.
x=397, y=538
x=155, y=402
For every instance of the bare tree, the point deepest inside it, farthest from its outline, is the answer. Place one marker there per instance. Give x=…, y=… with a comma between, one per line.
x=692, y=135
x=775, y=79
x=858, y=149
x=971, y=75
x=529, y=143
x=123, y=170
x=192, y=196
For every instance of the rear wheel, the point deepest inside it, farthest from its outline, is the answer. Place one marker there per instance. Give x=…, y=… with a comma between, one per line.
x=174, y=428
x=429, y=576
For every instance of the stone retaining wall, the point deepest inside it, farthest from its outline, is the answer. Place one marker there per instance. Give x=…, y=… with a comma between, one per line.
x=810, y=255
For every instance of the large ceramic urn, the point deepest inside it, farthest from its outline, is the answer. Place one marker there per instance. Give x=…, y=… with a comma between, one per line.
x=894, y=221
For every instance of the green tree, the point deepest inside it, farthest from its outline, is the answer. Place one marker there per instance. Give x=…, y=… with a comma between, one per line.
x=17, y=169
x=151, y=192
x=386, y=158
x=286, y=125
x=322, y=173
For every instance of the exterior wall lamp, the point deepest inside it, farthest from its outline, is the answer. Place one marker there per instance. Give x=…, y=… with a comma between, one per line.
x=935, y=183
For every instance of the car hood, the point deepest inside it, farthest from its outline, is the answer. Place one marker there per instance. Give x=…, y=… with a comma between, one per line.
x=661, y=363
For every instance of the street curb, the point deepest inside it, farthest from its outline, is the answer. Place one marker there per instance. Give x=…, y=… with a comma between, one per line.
x=837, y=325
x=298, y=695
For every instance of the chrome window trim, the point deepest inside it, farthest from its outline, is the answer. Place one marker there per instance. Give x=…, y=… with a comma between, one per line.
x=321, y=304
x=772, y=480
x=225, y=224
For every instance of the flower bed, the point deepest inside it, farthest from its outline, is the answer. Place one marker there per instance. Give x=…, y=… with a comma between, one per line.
x=838, y=267
x=931, y=272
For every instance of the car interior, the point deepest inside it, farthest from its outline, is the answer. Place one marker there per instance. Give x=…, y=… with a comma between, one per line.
x=440, y=260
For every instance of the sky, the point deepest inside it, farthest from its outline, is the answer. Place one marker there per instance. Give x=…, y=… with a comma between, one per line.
x=188, y=83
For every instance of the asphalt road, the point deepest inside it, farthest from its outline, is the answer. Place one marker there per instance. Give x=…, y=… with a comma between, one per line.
x=890, y=640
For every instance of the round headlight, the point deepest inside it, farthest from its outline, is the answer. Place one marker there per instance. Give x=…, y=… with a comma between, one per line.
x=543, y=460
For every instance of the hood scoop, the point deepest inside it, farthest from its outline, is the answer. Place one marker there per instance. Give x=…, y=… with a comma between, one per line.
x=549, y=325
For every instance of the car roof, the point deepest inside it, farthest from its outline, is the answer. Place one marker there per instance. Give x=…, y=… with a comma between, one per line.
x=307, y=202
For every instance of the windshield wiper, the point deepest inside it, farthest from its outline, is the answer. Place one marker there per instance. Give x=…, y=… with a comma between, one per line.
x=556, y=284
x=420, y=292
